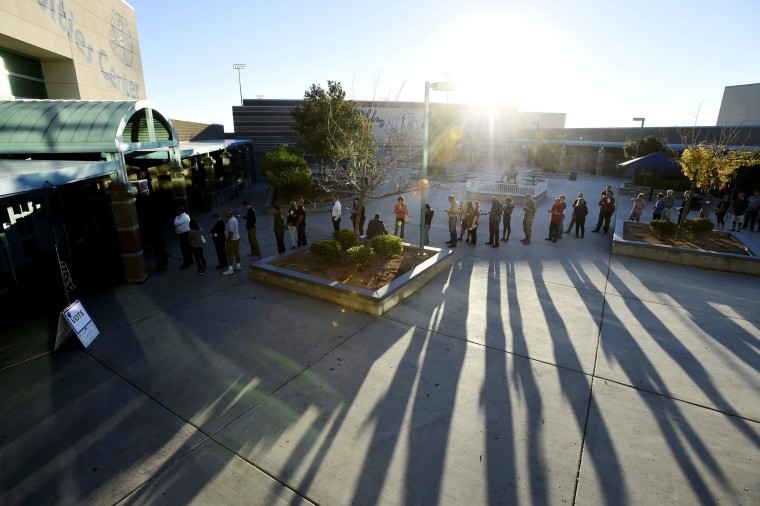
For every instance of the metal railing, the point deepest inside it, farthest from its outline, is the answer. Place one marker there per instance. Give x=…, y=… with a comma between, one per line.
x=534, y=186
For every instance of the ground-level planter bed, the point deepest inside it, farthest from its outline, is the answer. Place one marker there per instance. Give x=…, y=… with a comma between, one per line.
x=274, y=271
x=744, y=260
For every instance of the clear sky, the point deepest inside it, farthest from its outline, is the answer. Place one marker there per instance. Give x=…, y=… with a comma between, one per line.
x=600, y=62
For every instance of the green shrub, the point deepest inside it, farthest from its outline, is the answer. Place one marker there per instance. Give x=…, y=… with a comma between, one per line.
x=387, y=245
x=327, y=250
x=697, y=227
x=345, y=237
x=663, y=229
x=361, y=256
x=285, y=169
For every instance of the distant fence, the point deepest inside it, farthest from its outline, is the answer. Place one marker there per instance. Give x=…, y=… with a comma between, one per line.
x=487, y=186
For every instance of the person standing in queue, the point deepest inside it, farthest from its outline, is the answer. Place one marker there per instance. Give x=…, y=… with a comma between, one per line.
x=250, y=227
x=453, y=212
x=182, y=228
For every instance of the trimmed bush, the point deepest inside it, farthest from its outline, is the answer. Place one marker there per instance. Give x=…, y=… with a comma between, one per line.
x=327, y=250
x=345, y=237
x=286, y=170
x=387, y=245
x=361, y=256
x=663, y=229
x=697, y=227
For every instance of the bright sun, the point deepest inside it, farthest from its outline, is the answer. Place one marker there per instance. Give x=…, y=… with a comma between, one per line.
x=499, y=60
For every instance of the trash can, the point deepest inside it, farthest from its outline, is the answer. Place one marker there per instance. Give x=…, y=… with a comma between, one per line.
x=573, y=176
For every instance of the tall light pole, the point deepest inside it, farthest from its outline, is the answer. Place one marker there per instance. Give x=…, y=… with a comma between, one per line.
x=441, y=86
x=238, y=67
x=641, y=132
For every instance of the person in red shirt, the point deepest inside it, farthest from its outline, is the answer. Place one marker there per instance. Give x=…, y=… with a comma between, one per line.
x=557, y=212
x=606, y=210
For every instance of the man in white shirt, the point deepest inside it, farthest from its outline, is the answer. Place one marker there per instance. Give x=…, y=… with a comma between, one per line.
x=182, y=227
x=336, y=210
x=233, y=243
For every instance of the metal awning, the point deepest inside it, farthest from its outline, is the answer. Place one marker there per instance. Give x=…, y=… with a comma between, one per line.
x=82, y=126
x=19, y=176
x=195, y=148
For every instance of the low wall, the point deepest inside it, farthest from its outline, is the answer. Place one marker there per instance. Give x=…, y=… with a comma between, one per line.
x=726, y=262
x=352, y=297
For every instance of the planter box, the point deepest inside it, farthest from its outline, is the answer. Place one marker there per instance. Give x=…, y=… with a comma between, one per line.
x=368, y=301
x=726, y=262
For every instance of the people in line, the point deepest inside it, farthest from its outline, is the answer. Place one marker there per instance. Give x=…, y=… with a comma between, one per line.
x=668, y=201
x=720, y=212
x=601, y=217
x=658, y=207
x=638, y=208
x=507, y=218
x=606, y=210
x=682, y=208
x=580, y=211
x=354, y=213
x=740, y=207
x=290, y=220
x=336, y=213
x=555, y=222
x=233, y=243
x=529, y=213
x=494, y=219
x=301, y=223
x=465, y=217
x=250, y=227
x=563, y=205
x=453, y=213
x=182, y=228
x=376, y=226
x=278, y=228
x=472, y=231
x=219, y=238
x=753, y=209
x=429, y=213
x=196, y=240
x=401, y=210
x=572, y=214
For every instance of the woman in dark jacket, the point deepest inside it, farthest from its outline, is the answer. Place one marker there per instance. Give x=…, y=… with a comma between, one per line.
x=218, y=236
x=580, y=210
x=196, y=243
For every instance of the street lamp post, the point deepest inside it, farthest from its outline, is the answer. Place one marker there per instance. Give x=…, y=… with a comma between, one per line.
x=641, y=131
x=238, y=67
x=441, y=86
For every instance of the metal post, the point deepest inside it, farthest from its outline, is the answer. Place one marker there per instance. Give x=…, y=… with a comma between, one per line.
x=641, y=132
x=238, y=66
x=423, y=180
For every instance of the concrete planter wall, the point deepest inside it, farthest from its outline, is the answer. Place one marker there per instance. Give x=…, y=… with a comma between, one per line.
x=368, y=301
x=726, y=262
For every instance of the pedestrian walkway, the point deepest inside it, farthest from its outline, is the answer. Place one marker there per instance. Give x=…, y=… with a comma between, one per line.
x=554, y=373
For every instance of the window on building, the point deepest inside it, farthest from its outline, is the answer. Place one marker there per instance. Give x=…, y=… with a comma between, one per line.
x=21, y=76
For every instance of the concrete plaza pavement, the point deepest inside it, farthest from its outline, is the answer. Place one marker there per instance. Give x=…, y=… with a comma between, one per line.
x=553, y=373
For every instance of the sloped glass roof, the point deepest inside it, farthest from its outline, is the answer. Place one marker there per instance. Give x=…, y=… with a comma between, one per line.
x=82, y=126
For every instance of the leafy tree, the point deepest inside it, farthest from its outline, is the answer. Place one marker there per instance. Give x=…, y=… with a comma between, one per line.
x=649, y=144
x=340, y=130
x=320, y=109
x=714, y=163
x=285, y=169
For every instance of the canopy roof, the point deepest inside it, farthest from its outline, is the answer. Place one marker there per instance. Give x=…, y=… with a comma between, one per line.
x=82, y=126
x=19, y=176
x=658, y=160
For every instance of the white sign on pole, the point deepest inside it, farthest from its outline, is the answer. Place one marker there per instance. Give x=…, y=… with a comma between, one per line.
x=75, y=318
